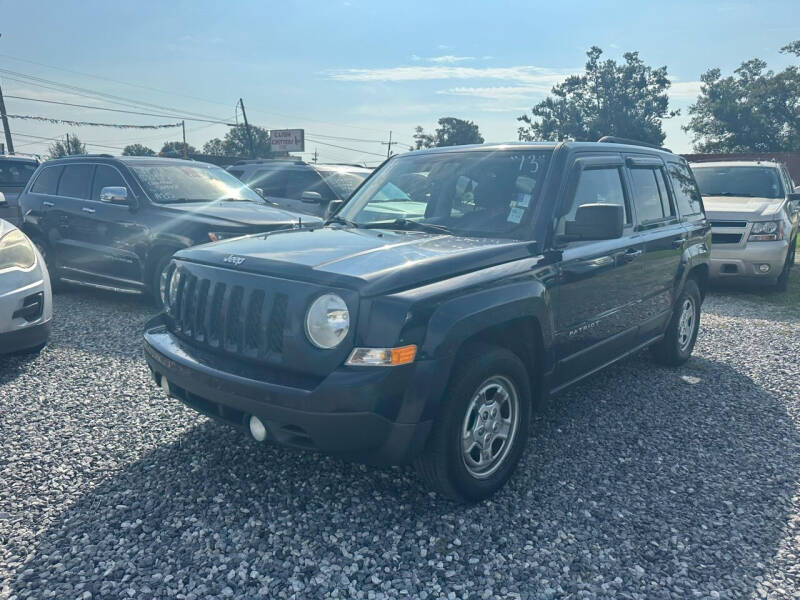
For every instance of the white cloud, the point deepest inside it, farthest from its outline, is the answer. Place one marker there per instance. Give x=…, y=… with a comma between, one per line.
x=449, y=59
x=498, y=92
x=685, y=90
x=523, y=74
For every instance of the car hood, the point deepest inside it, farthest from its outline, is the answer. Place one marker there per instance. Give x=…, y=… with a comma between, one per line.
x=370, y=260
x=241, y=213
x=5, y=227
x=742, y=208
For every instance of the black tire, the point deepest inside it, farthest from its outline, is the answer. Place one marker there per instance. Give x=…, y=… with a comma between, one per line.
x=49, y=260
x=676, y=346
x=443, y=463
x=782, y=282
x=155, y=277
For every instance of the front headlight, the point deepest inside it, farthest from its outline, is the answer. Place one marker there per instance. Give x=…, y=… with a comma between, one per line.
x=327, y=321
x=769, y=231
x=16, y=251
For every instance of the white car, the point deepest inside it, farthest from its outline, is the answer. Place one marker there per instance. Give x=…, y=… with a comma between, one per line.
x=26, y=301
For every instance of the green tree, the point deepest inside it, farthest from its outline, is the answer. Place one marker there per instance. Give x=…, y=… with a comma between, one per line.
x=175, y=149
x=627, y=100
x=451, y=132
x=236, y=143
x=60, y=148
x=138, y=150
x=753, y=110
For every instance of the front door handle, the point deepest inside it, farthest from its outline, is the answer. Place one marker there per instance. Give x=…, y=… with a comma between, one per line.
x=47, y=203
x=631, y=253
x=88, y=210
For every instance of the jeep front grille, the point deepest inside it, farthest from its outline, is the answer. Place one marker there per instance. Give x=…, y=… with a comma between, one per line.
x=235, y=319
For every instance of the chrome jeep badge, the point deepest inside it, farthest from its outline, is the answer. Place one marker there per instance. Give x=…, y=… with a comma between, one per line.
x=234, y=260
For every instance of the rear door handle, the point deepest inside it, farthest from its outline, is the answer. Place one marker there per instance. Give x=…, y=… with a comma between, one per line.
x=88, y=210
x=47, y=203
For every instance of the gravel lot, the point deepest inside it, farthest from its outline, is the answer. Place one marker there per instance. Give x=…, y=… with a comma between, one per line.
x=642, y=482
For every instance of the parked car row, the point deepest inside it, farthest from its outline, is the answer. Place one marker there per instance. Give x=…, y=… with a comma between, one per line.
x=440, y=300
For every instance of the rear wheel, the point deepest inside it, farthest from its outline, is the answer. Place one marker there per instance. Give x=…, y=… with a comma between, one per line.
x=482, y=427
x=676, y=346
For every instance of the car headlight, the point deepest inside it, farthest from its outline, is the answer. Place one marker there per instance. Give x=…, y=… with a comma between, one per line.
x=327, y=321
x=173, y=283
x=16, y=251
x=768, y=231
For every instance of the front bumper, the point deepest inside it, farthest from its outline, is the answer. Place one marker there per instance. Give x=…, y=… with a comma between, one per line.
x=26, y=309
x=373, y=415
x=744, y=262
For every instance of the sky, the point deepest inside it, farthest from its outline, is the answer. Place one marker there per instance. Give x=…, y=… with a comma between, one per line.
x=351, y=71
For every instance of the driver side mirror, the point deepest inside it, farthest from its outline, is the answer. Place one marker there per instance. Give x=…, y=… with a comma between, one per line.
x=309, y=196
x=595, y=222
x=3, y=200
x=333, y=207
x=114, y=194
x=260, y=192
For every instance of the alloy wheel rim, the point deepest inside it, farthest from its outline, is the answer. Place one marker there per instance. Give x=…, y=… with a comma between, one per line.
x=489, y=427
x=686, y=324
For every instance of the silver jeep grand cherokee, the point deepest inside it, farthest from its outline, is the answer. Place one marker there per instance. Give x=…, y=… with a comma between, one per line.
x=753, y=207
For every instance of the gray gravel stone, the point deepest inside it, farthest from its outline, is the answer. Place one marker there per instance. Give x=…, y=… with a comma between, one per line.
x=640, y=482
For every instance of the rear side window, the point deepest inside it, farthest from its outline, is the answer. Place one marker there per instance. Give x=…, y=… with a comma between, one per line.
x=687, y=194
x=271, y=181
x=47, y=181
x=74, y=182
x=650, y=194
x=105, y=176
x=602, y=186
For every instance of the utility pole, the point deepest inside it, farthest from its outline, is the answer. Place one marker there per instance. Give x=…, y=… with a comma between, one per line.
x=185, y=151
x=389, y=143
x=316, y=155
x=69, y=152
x=247, y=129
x=4, y=117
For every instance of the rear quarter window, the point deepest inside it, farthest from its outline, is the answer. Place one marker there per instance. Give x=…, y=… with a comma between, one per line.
x=687, y=194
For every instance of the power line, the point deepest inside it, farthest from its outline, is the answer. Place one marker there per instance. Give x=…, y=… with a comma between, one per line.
x=343, y=147
x=118, y=110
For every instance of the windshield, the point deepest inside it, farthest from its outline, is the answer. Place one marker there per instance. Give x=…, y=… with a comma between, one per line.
x=16, y=173
x=343, y=182
x=484, y=194
x=757, y=182
x=190, y=183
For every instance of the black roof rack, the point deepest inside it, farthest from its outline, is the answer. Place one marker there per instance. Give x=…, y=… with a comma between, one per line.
x=612, y=139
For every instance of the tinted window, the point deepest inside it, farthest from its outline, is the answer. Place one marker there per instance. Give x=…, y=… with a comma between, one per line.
x=341, y=181
x=687, y=195
x=236, y=173
x=47, y=181
x=106, y=176
x=602, y=186
x=271, y=181
x=15, y=173
x=756, y=182
x=302, y=180
x=188, y=183
x=75, y=181
x=487, y=194
x=650, y=194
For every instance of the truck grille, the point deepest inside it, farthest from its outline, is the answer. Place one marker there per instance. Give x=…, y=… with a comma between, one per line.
x=726, y=238
x=236, y=319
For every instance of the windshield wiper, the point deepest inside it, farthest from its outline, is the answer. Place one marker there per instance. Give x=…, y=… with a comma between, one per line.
x=735, y=195
x=342, y=221
x=409, y=224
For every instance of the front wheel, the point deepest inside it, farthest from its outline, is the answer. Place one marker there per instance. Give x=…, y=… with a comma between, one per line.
x=482, y=427
x=782, y=283
x=678, y=342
